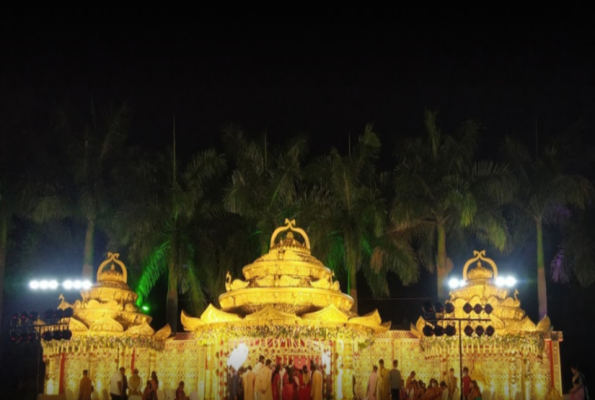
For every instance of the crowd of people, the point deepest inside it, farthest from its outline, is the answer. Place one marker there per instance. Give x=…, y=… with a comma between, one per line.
x=267, y=381
x=389, y=385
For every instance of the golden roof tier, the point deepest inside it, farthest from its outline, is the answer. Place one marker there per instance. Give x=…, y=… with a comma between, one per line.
x=479, y=287
x=108, y=307
x=287, y=278
x=288, y=293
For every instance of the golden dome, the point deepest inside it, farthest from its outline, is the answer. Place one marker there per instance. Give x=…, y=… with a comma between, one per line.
x=480, y=273
x=480, y=288
x=287, y=278
x=109, y=305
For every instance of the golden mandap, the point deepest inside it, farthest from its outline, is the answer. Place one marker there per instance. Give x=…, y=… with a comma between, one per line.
x=289, y=308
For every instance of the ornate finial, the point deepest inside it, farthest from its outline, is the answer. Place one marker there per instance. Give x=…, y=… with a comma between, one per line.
x=291, y=227
x=112, y=274
x=479, y=272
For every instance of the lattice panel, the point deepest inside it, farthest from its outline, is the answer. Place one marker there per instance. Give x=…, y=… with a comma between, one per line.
x=504, y=375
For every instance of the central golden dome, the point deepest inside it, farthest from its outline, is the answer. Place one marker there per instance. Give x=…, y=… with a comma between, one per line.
x=287, y=278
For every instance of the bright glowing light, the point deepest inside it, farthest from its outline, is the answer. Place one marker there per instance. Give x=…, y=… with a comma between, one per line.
x=453, y=283
x=462, y=283
x=43, y=285
x=145, y=308
x=86, y=284
x=76, y=284
x=34, y=285
x=238, y=356
x=67, y=284
x=500, y=281
x=510, y=281
x=53, y=284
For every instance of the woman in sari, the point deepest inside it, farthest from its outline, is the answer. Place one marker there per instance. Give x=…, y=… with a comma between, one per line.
x=275, y=382
x=578, y=384
x=154, y=385
x=474, y=393
x=304, y=382
x=287, y=392
x=433, y=392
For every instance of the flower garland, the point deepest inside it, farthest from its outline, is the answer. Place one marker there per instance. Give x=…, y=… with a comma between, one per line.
x=226, y=333
x=105, y=341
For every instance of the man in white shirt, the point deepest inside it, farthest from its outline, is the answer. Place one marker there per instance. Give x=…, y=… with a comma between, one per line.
x=115, y=386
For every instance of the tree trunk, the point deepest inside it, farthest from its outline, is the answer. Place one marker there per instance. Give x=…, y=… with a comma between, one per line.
x=89, y=248
x=3, y=245
x=171, y=309
x=443, y=267
x=353, y=286
x=541, y=284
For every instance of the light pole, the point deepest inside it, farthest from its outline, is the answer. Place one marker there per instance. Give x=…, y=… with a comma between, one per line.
x=436, y=313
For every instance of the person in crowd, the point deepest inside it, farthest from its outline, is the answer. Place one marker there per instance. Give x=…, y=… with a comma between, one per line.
x=134, y=384
x=287, y=391
x=474, y=392
x=410, y=378
x=115, y=386
x=124, y=384
x=382, y=382
x=248, y=380
x=395, y=381
x=316, y=388
x=276, y=379
x=451, y=382
x=154, y=385
x=578, y=391
x=235, y=385
x=85, y=387
x=433, y=392
x=263, y=382
x=371, y=390
x=304, y=382
x=256, y=370
x=413, y=390
x=421, y=389
x=180, y=393
x=466, y=383
x=444, y=389
x=147, y=394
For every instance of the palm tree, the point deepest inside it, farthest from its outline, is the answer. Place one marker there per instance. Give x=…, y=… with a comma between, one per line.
x=544, y=194
x=164, y=223
x=576, y=254
x=442, y=193
x=264, y=183
x=348, y=217
x=84, y=191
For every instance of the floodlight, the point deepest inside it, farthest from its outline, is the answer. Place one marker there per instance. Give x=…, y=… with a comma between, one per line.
x=500, y=281
x=77, y=284
x=43, y=285
x=53, y=284
x=86, y=284
x=453, y=283
x=34, y=285
x=67, y=284
x=510, y=281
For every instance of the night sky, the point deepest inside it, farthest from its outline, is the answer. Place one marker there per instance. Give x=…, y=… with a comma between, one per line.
x=297, y=69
